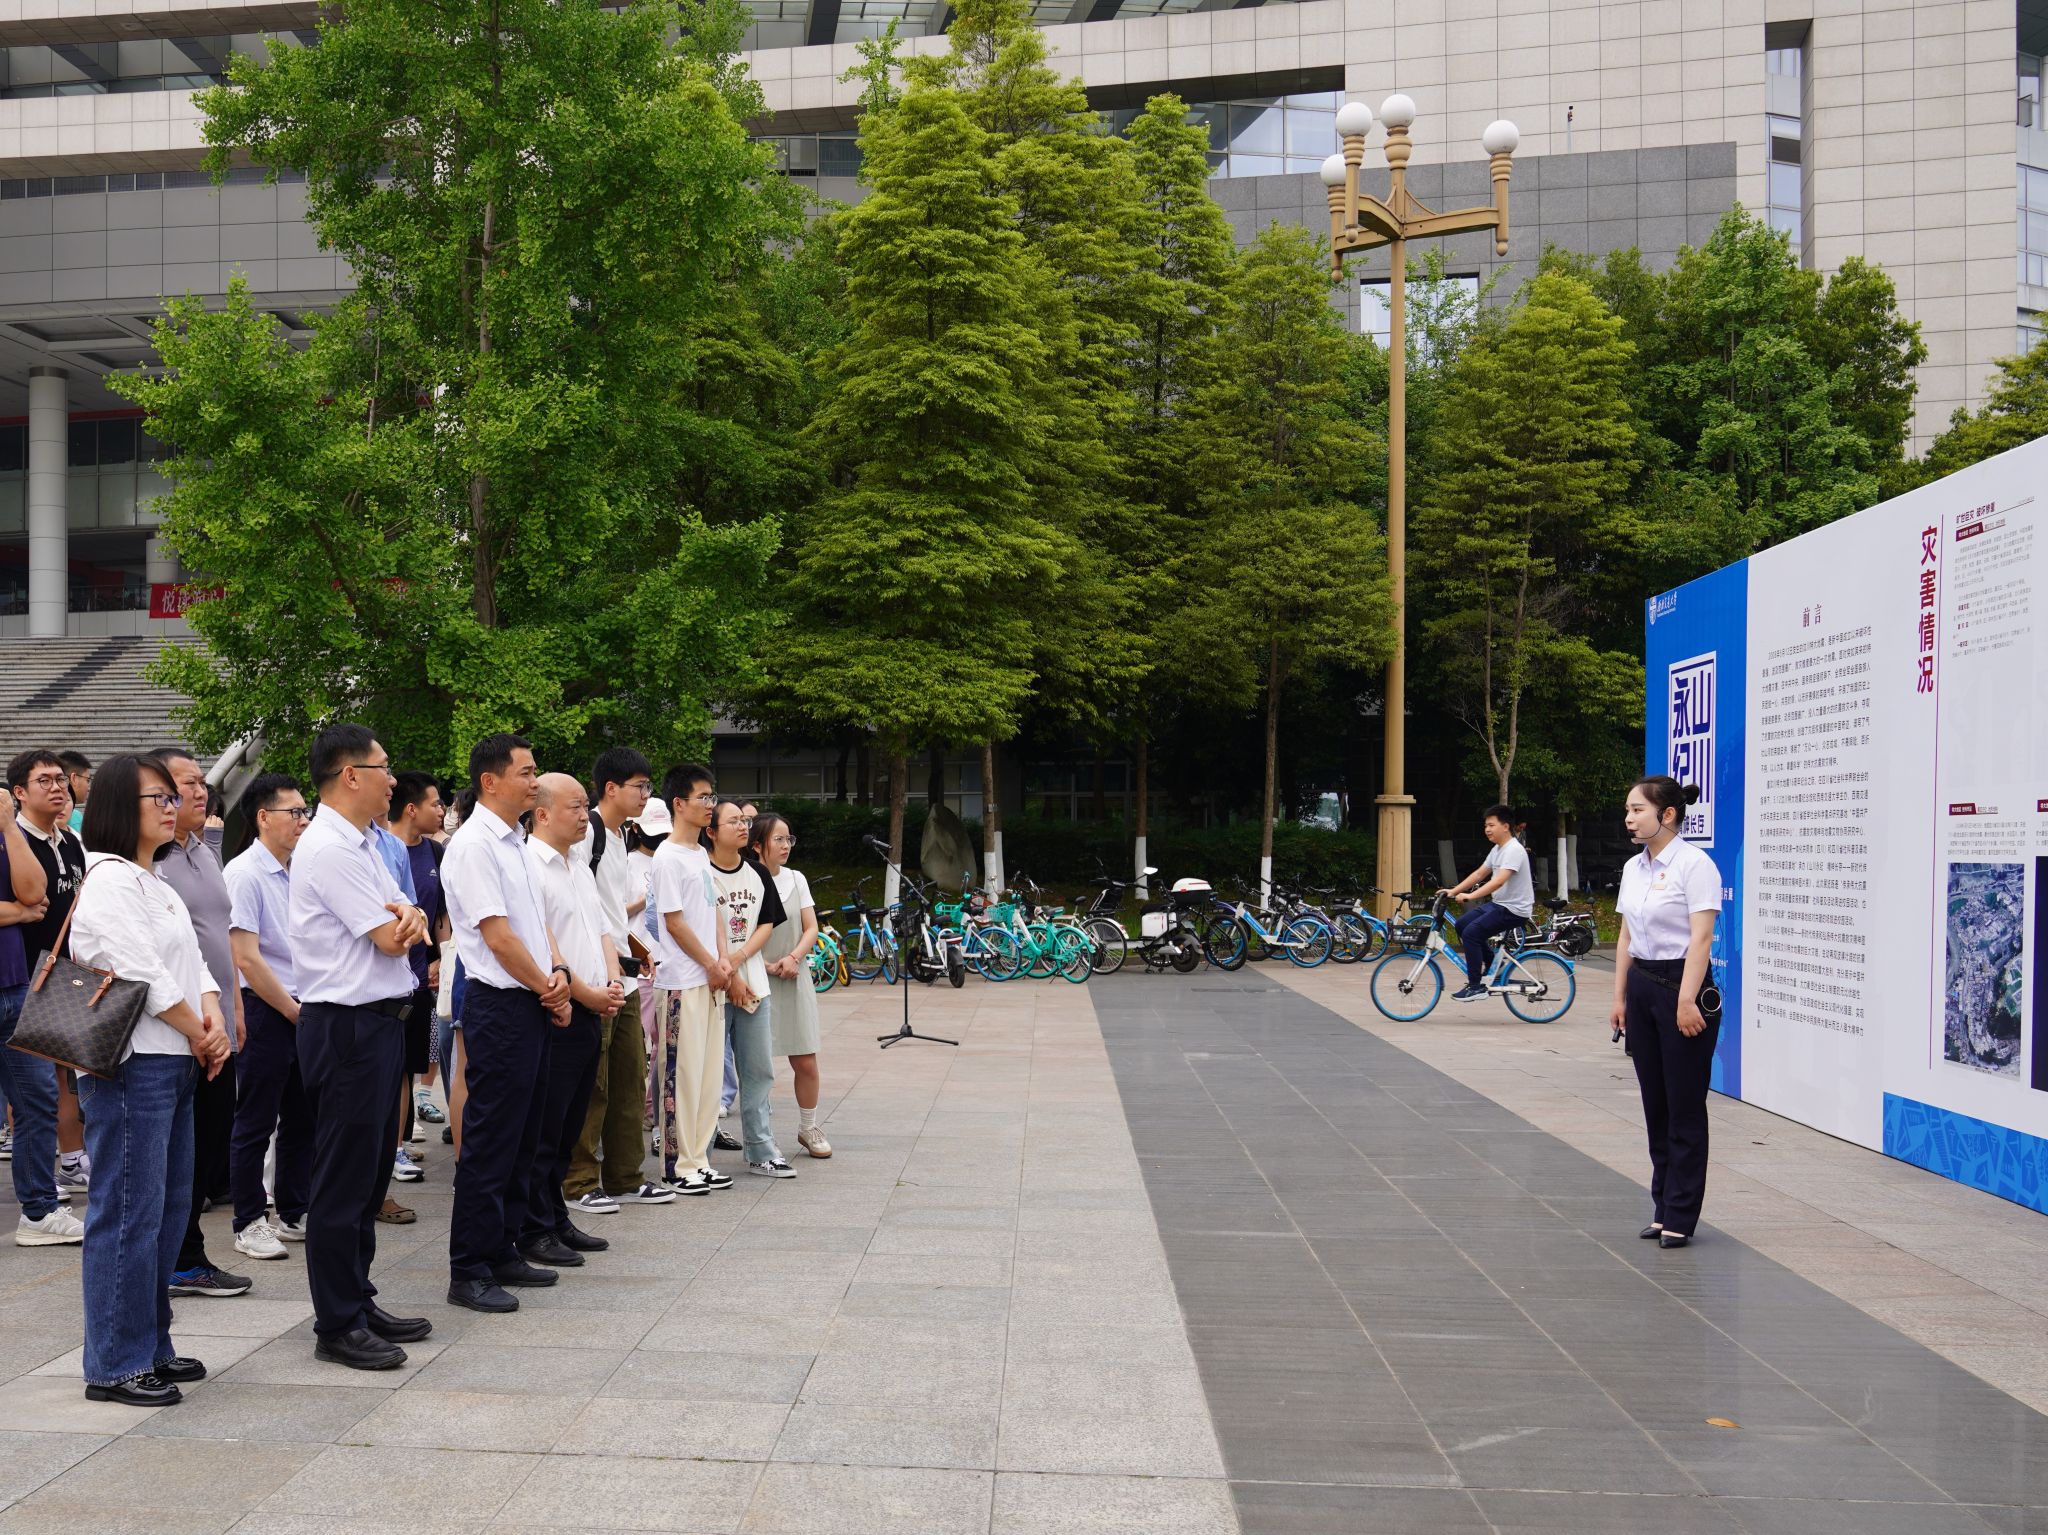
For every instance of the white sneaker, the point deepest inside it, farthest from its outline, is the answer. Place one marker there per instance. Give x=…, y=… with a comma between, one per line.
x=689, y=1183
x=774, y=1167
x=257, y=1240
x=75, y=1178
x=812, y=1139
x=288, y=1231
x=404, y=1169
x=649, y=1194
x=597, y=1202
x=56, y=1229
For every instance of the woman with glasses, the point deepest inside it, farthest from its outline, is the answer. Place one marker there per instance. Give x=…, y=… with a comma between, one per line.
x=792, y=1000
x=138, y=1123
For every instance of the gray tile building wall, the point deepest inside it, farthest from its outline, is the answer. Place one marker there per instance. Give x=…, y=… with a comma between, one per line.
x=141, y=245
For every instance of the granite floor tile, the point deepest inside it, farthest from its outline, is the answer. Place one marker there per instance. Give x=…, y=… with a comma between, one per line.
x=619, y=1493
x=868, y=1500
x=958, y=1437
x=1035, y=1504
x=220, y=1409
x=28, y=1460
x=177, y=1476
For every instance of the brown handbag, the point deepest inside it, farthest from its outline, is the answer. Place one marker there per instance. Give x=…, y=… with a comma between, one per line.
x=75, y=1015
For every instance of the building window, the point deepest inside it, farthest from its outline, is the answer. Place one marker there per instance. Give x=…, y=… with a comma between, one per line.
x=1376, y=317
x=1784, y=196
x=1260, y=135
x=2033, y=226
x=2030, y=114
x=147, y=64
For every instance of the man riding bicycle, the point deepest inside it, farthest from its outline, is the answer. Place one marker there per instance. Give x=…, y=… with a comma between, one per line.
x=1504, y=879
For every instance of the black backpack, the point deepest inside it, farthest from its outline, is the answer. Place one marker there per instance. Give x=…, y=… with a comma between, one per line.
x=597, y=836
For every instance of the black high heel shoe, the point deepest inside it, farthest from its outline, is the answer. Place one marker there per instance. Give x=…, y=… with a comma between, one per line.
x=1672, y=1239
x=1651, y=1232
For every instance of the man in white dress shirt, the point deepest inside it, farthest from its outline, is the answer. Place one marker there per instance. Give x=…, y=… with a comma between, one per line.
x=349, y=927
x=575, y=916
x=517, y=987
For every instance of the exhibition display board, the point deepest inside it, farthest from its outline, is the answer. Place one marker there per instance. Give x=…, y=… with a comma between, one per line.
x=1865, y=709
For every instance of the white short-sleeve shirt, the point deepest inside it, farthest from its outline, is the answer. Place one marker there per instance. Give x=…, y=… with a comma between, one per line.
x=569, y=899
x=1518, y=895
x=681, y=882
x=340, y=892
x=486, y=874
x=1659, y=896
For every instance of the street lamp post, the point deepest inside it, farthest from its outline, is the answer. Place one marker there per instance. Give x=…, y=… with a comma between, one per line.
x=1362, y=223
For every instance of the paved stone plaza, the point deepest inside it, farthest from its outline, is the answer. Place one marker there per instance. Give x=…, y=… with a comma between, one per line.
x=1161, y=1254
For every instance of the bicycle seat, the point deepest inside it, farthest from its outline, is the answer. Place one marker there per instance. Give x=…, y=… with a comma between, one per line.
x=1402, y=895
x=1554, y=903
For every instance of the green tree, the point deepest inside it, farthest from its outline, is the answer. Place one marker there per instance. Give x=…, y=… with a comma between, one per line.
x=1289, y=575
x=2015, y=411
x=467, y=504
x=920, y=575
x=1534, y=455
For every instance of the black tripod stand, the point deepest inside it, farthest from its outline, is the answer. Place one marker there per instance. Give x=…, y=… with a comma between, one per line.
x=913, y=897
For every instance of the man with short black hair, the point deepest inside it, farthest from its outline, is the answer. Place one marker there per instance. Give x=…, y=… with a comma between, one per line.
x=27, y=1082
x=622, y=781
x=408, y=833
x=1503, y=881
x=516, y=987
x=270, y=1091
x=350, y=928
x=691, y=972
x=78, y=772
x=190, y=866
x=42, y=800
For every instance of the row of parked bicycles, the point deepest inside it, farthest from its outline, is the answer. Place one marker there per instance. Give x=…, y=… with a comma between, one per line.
x=928, y=938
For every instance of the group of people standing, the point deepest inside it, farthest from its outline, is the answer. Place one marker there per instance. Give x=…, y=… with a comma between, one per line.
x=292, y=1001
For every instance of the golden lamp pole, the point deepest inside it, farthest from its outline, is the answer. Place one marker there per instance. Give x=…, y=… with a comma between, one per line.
x=1362, y=223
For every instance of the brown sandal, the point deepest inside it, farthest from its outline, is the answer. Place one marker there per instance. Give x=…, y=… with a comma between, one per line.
x=396, y=1214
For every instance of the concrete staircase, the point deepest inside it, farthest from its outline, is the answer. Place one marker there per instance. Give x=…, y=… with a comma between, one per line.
x=86, y=695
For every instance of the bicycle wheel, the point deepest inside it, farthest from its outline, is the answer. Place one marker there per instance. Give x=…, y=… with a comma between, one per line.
x=1224, y=943
x=1349, y=939
x=867, y=960
x=1076, y=958
x=1042, y=952
x=1000, y=957
x=1406, y=984
x=1377, y=935
x=1111, y=944
x=956, y=966
x=824, y=969
x=1540, y=986
x=1308, y=941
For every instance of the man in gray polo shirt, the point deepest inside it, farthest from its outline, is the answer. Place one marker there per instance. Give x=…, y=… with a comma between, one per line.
x=192, y=868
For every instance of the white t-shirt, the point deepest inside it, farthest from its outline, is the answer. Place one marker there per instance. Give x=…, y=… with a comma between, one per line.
x=1659, y=896
x=1518, y=895
x=740, y=894
x=795, y=891
x=681, y=881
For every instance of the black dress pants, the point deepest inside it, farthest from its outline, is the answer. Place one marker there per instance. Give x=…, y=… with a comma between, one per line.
x=504, y=1063
x=572, y=1072
x=213, y=1127
x=1673, y=1072
x=270, y=1097
x=351, y=1059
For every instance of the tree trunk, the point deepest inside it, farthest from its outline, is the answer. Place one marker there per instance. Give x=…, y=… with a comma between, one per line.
x=839, y=773
x=864, y=772
x=991, y=822
x=483, y=540
x=1141, y=769
x=935, y=779
x=1272, y=767
x=899, y=797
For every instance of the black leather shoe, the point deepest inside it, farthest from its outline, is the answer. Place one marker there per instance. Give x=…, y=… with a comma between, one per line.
x=144, y=1390
x=578, y=1240
x=548, y=1248
x=518, y=1272
x=1672, y=1239
x=398, y=1329
x=359, y=1349
x=1651, y=1233
x=724, y=1142
x=480, y=1295
x=178, y=1368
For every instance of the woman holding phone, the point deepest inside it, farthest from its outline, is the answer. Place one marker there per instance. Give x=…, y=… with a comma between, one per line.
x=1665, y=999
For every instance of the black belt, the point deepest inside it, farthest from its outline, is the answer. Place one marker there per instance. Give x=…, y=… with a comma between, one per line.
x=390, y=1007
x=1672, y=968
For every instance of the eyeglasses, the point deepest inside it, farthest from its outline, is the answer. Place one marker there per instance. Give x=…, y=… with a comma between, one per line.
x=638, y=786
x=380, y=767
x=49, y=781
x=296, y=812
x=164, y=801
x=703, y=799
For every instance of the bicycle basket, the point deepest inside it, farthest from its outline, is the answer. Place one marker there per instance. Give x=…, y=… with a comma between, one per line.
x=1410, y=935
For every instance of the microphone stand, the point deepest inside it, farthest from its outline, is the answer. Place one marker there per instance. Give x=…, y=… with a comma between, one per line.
x=904, y=965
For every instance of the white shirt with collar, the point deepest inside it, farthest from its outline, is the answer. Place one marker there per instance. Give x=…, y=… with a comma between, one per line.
x=616, y=885
x=1659, y=896
x=339, y=891
x=485, y=874
x=129, y=920
x=259, y=902
x=575, y=915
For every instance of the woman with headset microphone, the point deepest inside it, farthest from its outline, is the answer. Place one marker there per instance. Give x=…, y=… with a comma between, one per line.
x=1665, y=997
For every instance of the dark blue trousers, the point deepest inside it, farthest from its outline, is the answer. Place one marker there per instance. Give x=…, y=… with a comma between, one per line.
x=504, y=1065
x=351, y=1059
x=1474, y=928
x=572, y=1072
x=270, y=1096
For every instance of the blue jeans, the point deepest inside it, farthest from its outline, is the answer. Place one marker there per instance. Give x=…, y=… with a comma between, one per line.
x=1474, y=928
x=751, y=1047
x=138, y=1128
x=30, y=1084
x=731, y=1089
